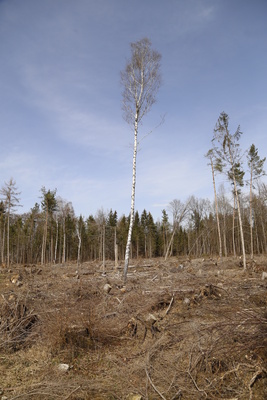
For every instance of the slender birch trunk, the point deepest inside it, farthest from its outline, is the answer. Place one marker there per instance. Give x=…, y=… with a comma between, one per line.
x=128, y=245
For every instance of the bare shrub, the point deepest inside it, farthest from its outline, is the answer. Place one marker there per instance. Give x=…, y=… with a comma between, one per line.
x=17, y=323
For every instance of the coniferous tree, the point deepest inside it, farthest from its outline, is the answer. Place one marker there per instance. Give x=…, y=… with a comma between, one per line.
x=49, y=205
x=165, y=229
x=11, y=201
x=123, y=229
x=111, y=237
x=136, y=233
x=92, y=237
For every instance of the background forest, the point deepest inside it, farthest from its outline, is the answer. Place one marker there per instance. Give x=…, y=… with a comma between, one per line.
x=51, y=232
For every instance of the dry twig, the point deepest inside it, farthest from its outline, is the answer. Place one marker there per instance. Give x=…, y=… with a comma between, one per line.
x=154, y=387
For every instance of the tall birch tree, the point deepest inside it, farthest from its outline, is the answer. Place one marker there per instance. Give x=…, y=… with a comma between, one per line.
x=141, y=80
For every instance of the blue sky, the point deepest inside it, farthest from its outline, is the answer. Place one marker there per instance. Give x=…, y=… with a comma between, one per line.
x=60, y=96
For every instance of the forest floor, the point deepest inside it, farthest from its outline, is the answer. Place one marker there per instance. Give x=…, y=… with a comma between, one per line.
x=180, y=329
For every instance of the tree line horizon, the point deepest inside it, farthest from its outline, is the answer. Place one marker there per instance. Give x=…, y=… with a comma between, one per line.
x=51, y=232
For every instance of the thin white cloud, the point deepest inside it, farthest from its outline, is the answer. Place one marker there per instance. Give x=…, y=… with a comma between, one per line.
x=68, y=116
x=166, y=179
x=205, y=13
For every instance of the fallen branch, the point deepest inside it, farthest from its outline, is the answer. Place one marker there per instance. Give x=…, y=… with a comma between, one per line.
x=168, y=309
x=75, y=390
x=193, y=380
x=154, y=387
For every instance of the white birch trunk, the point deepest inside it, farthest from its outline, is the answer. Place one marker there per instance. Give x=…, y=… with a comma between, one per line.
x=128, y=245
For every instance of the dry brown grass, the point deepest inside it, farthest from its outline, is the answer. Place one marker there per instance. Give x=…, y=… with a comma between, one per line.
x=208, y=341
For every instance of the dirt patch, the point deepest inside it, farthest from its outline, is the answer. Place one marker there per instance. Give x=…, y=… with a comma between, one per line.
x=180, y=329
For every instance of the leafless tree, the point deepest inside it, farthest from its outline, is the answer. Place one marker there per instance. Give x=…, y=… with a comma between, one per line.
x=179, y=211
x=141, y=80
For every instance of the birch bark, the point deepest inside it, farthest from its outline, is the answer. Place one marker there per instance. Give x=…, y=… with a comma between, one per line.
x=129, y=238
